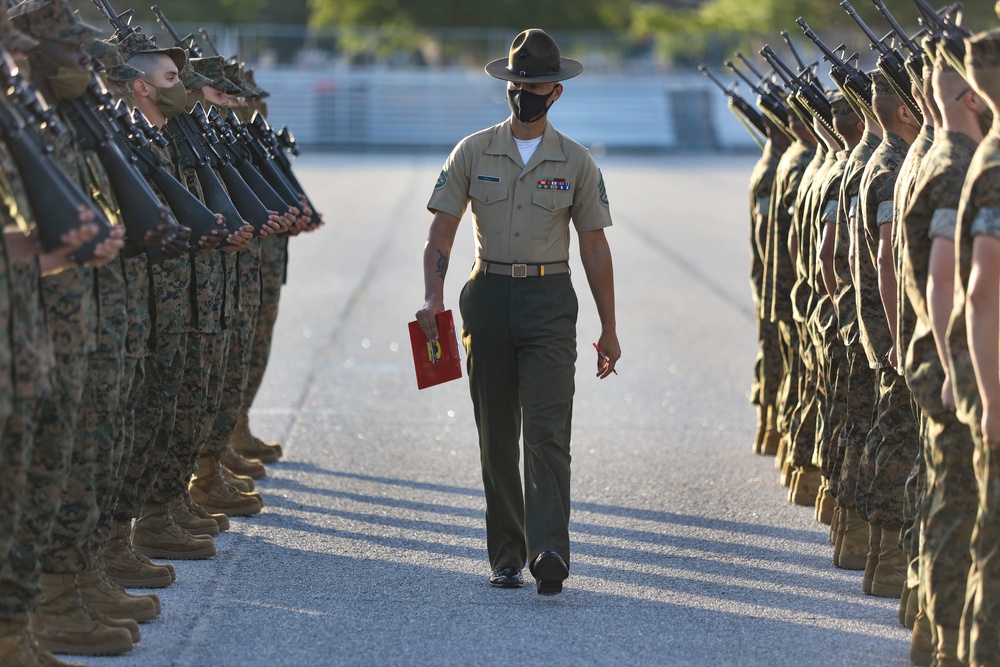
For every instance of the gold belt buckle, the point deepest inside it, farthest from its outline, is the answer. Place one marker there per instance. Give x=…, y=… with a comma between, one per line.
x=518, y=270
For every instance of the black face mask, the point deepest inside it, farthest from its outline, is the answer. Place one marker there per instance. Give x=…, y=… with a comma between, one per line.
x=528, y=107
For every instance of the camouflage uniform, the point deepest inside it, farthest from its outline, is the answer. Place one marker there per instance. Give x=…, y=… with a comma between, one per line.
x=979, y=213
x=779, y=274
x=858, y=392
x=20, y=383
x=892, y=442
x=767, y=366
x=273, y=270
x=951, y=500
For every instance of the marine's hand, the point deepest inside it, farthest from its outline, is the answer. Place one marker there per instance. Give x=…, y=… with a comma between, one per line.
x=612, y=352
x=273, y=225
x=426, y=317
x=108, y=249
x=239, y=239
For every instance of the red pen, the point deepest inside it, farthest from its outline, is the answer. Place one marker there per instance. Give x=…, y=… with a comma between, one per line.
x=604, y=357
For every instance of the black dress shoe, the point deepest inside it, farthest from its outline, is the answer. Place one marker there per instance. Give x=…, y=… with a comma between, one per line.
x=506, y=577
x=549, y=570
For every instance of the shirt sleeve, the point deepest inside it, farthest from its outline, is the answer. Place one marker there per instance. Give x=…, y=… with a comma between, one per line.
x=591, y=210
x=830, y=211
x=451, y=192
x=944, y=196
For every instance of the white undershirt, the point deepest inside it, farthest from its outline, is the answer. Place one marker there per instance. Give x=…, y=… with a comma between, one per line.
x=527, y=148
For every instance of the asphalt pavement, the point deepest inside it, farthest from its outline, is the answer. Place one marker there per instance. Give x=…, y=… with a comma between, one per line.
x=371, y=549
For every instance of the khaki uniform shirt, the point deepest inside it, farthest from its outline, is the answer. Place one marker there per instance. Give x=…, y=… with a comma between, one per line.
x=521, y=212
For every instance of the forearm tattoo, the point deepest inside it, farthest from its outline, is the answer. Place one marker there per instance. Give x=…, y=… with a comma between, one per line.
x=442, y=264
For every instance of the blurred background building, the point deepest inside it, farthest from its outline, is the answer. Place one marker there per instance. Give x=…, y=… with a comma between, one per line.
x=408, y=74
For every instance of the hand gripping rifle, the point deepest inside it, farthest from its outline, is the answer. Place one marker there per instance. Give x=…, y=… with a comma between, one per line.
x=740, y=108
x=890, y=63
x=244, y=197
x=189, y=43
x=56, y=200
x=854, y=83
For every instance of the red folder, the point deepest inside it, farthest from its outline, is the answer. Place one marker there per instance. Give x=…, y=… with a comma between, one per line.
x=438, y=361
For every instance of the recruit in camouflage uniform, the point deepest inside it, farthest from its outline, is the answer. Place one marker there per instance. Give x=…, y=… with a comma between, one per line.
x=979, y=213
x=767, y=366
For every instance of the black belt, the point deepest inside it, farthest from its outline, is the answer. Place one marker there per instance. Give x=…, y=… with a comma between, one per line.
x=521, y=270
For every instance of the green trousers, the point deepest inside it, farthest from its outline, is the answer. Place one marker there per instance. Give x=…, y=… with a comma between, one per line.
x=520, y=339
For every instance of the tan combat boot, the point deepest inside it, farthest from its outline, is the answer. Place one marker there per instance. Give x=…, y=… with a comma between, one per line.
x=758, y=439
x=853, y=552
x=251, y=446
x=210, y=490
x=156, y=535
x=185, y=517
x=769, y=447
x=63, y=623
x=912, y=608
x=126, y=568
x=45, y=657
x=835, y=523
x=922, y=641
x=890, y=573
x=805, y=486
x=242, y=465
x=15, y=647
x=220, y=519
x=871, y=559
x=111, y=600
x=239, y=482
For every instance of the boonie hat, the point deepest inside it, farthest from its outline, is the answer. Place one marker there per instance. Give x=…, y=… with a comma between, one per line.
x=534, y=58
x=139, y=43
x=52, y=20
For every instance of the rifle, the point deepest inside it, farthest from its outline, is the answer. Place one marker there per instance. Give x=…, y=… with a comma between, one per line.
x=262, y=160
x=55, y=199
x=770, y=104
x=244, y=197
x=193, y=156
x=952, y=35
x=208, y=41
x=854, y=83
x=189, y=43
x=914, y=62
x=287, y=141
x=267, y=194
x=140, y=208
x=890, y=63
x=122, y=23
x=749, y=118
x=806, y=93
x=266, y=135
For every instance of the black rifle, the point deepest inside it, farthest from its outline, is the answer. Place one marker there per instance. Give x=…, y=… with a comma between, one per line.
x=267, y=194
x=914, y=62
x=260, y=158
x=890, y=63
x=189, y=43
x=56, y=200
x=740, y=108
x=806, y=92
x=244, y=197
x=287, y=141
x=952, y=35
x=208, y=41
x=767, y=97
x=853, y=82
x=192, y=155
x=122, y=23
x=266, y=135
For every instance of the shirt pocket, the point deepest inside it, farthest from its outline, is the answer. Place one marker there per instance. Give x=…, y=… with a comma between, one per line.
x=490, y=206
x=550, y=209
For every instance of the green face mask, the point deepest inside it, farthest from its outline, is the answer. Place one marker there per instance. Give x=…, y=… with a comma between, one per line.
x=195, y=96
x=69, y=84
x=170, y=101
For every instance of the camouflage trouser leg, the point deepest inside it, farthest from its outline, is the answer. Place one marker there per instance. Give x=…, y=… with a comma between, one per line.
x=103, y=431
x=838, y=374
x=861, y=397
x=916, y=485
x=234, y=386
x=823, y=392
x=263, y=331
x=895, y=437
x=192, y=399
x=769, y=367
x=66, y=469
x=154, y=420
x=136, y=457
x=797, y=387
x=217, y=374
x=15, y=453
x=983, y=611
x=952, y=499
x=788, y=392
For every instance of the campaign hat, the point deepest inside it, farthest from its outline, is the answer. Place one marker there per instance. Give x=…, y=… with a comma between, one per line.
x=534, y=57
